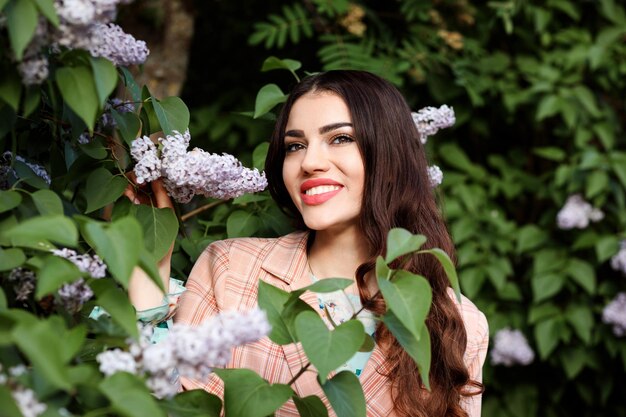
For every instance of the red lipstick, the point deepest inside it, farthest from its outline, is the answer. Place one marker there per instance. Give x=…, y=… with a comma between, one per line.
x=314, y=200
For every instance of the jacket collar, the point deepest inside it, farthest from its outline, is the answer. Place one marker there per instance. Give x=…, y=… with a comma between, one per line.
x=286, y=258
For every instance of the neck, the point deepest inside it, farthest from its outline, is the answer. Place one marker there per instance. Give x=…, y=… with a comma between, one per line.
x=337, y=254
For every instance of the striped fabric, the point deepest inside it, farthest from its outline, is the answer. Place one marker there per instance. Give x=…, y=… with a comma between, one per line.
x=226, y=276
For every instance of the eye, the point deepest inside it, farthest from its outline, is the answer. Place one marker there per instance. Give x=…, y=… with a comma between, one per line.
x=293, y=147
x=341, y=138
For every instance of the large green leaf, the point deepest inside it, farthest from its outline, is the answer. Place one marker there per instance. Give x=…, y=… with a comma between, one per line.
x=194, y=403
x=328, y=349
x=117, y=304
x=46, y=7
x=22, y=22
x=409, y=297
x=9, y=200
x=11, y=258
x=345, y=395
x=246, y=394
x=583, y=273
x=37, y=231
x=105, y=77
x=11, y=89
x=547, y=336
x=40, y=342
x=310, y=406
x=272, y=300
x=9, y=408
x=400, y=242
x=418, y=349
x=160, y=227
x=172, y=113
x=581, y=319
x=241, y=224
x=329, y=285
x=53, y=273
x=129, y=396
x=47, y=202
x=268, y=96
x=448, y=268
x=128, y=124
x=103, y=188
x=78, y=89
x=119, y=244
x=148, y=263
x=546, y=285
x=274, y=63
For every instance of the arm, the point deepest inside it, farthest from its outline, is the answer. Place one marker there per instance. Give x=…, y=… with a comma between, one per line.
x=476, y=352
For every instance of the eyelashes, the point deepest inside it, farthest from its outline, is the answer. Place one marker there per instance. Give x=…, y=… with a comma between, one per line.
x=338, y=139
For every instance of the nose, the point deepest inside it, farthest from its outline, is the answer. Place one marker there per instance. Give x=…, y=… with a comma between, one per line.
x=315, y=158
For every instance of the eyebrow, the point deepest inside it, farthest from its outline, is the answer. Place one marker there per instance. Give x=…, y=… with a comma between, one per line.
x=322, y=130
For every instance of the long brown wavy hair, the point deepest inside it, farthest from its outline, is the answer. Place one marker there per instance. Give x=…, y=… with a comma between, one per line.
x=397, y=193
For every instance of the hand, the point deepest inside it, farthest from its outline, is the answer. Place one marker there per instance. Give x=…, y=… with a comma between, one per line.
x=153, y=193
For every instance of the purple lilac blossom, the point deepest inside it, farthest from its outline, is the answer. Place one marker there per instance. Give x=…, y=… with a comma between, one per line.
x=116, y=360
x=435, y=176
x=39, y=170
x=72, y=296
x=511, y=348
x=577, y=213
x=429, y=120
x=111, y=42
x=614, y=314
x=196, y=172
x=618, y=261
x=23, y=283
x=92, y=265
x=34, y=70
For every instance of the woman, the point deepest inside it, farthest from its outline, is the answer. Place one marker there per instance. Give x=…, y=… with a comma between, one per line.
x=346, y=162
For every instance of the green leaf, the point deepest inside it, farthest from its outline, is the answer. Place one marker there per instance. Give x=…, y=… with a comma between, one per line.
x=32, y=98
x=128, y=125
x=546, y=285
x=103, y=188
x=3, y=300
x=172, y=113
x=11, y=258
x=11, y=89
x=259, y=154
x=28, y=175
x=194, y=403
x=53, y=273
x=241, y=224
x=408, y=297
x=105, y=77
x=586, y=98
x=530, y=237
x=46, y=7
x=546, y=336
x=573, y=360
x=148, y=263
x=310, y=406
x=160, y=227
x=550, y=152
x=328, y=349
x=95, y=148
x=37, y=231
x=273, y=63
x=248, y=395
x=606, y=134
x=382, y=270
x=9, y=408
x=272, y=300
x=548, y=106
x=448, y=268
x=9, y=200
x=268, y=96
x=118, y=244
x=400, y=242
x=329, y=285
x=131, y=84
x=117, y=304
x=47, y=202
x=583, y=273
x=78, y=89
x=345, y=395
x=606, y=247
x=597, y=182
x=129, y=396
x=581, y=319
x=22, y=22
x=41, y=344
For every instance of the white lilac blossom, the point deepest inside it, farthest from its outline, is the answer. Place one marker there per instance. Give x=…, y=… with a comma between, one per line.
x=435, y=176
x=111, y=42
x=72, y=296
x=116, y=360
x=618, y=261
x=511, y=348
x=577, y=213
x=92, y=265
x=196, y=172
x=430, y=120
x=27, y=402
x=23, y=282
x=34, y=70
x=614, y=314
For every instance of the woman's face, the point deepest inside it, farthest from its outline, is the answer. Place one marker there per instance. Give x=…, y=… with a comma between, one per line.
x=323, y=170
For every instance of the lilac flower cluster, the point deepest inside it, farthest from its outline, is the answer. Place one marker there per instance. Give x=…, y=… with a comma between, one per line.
x=430, y=120
x=435, y=176
x=107, y=121
x=511, y=348
x=577, y=213
x=618, y=261
x=24, y=398
x=84, y=24
x=614, y=314
x=5, y=170
x=23, y=281
x=191, y=351
x=73, y=295
x=92, y=265
x=196, y=172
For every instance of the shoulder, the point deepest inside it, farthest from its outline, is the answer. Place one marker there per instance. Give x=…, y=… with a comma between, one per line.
x=254, y=246
x=476, y=325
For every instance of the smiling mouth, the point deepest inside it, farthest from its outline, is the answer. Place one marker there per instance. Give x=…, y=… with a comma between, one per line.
x=315, y=196
x=322, y=189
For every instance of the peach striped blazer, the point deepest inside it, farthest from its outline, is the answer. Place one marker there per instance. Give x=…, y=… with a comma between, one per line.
x=225, y=277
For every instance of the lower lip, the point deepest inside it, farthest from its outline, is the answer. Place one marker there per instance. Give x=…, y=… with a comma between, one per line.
x=317, y=199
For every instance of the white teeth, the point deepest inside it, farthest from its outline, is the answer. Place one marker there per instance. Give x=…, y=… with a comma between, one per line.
x=321, y=189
